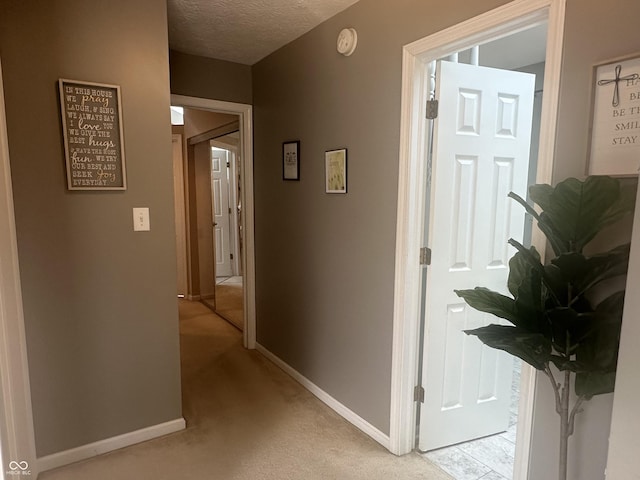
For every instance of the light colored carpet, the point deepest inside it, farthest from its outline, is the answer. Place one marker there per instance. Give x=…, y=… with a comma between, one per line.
x=247, y=420
x=229, y=303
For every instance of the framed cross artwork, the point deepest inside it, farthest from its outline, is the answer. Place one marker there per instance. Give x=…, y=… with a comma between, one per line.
x=615, y=136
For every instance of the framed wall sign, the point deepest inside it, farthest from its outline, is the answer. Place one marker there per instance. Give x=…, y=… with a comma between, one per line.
x=291, y=160
x=336, y=171
x=93, y=140
x=615, y=136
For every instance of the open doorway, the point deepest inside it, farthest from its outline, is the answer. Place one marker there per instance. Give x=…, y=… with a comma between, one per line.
x=209, y=216
x=17, y=440
x=416, y=203
x=226, y=185
x=480, y=148
x=218, y=166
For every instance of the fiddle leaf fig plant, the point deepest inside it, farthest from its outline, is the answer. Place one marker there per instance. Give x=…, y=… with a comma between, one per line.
x=565, y=321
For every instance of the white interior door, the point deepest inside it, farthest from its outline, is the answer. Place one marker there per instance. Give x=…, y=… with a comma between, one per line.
x=220, y=208
x=481, y=153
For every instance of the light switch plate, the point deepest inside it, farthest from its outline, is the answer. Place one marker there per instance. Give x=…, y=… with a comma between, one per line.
x=141, y=219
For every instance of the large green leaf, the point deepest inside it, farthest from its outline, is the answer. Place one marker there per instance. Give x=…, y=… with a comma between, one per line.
x=563, y=321
x=532, y=348
x=538, y=273
x=599, y=349
x=564, y=363
x=584, y=272
x=594, y=383
x=524, y=278
x=603, y=267
x=495, y=303
x=575, y=211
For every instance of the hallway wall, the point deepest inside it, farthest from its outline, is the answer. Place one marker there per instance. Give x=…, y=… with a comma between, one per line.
x=197, y=76
x=100, y=301
x=325, y=263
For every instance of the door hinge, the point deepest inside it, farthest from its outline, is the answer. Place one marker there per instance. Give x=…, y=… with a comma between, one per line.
x=418, y=394
x=231, y=255
x=425, y=256
x=229, y=210
x=432, y=109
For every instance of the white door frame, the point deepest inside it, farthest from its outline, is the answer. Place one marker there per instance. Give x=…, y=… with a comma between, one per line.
x=245, y=112
x=508, y=19
x=16, y=415
x=179, y=202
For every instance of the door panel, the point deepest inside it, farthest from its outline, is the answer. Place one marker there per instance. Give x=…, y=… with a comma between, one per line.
x=481, y=153
x=220, y=207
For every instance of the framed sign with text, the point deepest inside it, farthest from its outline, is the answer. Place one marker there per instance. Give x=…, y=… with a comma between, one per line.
x=93, y=140
x=615, y=137
x=291, y=160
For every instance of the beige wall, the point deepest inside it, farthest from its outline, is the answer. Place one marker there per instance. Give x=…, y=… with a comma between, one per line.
x=99, y=300
x=595, y=32
x=204, y=218
x=196, y=76
x=623, y=450
x=201, y=121
x=325, y=262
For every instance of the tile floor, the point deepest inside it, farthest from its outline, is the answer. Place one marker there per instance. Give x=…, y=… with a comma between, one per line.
x=489, y=458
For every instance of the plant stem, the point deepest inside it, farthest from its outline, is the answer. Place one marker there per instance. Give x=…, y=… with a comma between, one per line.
x=565, y=430
x=555, y=385
x=576, y=410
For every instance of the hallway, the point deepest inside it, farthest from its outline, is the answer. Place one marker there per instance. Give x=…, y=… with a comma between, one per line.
x=246, y=419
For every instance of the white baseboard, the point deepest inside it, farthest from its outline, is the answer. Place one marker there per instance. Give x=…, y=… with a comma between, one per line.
x=328, y=400
x=66, y=457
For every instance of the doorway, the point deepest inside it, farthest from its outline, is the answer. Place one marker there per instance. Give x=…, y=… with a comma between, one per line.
x=17, y=440
x=416, y=199
x=226, y=185
x=479, y=151
x=244, y=156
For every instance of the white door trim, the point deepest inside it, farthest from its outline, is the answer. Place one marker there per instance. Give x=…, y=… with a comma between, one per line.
x=510, y=18
x=245, y=112
x=179, y=201
x=16, y=414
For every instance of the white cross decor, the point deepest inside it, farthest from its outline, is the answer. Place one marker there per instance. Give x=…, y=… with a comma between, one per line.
x=615, y=139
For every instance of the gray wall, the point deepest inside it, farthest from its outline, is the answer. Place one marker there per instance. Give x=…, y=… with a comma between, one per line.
x=99, y=300
x=324, y=263
x=622, y=461
x=196, y=76
x=595, y=32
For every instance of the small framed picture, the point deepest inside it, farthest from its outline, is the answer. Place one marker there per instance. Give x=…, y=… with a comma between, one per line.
x=336, y=171
x=291, y=160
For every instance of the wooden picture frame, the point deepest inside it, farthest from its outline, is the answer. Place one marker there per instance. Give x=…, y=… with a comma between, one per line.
x=615, y=133
x=336, y=171
x=93, y=135
x=291, y=160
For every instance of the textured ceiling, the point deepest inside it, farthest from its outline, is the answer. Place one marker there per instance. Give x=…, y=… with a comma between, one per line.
x=244, y=31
